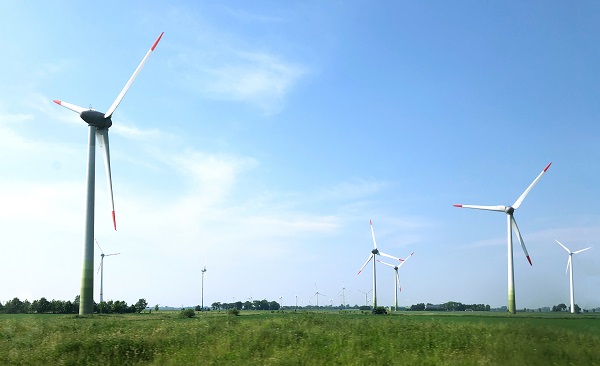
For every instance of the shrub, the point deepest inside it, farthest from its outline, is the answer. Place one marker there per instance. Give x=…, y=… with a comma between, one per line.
x=187, y=313
x=235, y=312
x=379, y=310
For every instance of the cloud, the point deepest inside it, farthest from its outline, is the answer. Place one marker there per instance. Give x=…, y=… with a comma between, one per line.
x=260, y=79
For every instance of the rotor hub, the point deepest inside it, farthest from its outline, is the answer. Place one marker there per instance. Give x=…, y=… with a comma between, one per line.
x=509, y=210
x=375, y=251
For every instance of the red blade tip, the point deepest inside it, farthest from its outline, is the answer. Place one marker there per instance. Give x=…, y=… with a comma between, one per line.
x=457, y=205
x=114, y=220
x=547, y=166
x=529, y=259
x=157, y=40
x=370, y=222
x=57, y=101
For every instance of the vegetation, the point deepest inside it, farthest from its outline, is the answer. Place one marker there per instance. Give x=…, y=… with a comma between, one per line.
x=44, y=306
x=301, y=338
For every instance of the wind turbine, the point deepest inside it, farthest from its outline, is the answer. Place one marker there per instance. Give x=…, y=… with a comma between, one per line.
x=317, y=294
x=396, y=278
x=101, y=269
x=98, y=125
x=375, y=252
x=511, y=223
x=570, y=267
x=366, y=294
x=203, y=271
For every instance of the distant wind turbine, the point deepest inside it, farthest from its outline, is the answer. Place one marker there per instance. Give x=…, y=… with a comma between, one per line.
x=98, y=124
x=375, y=252
x=509, y=210
x=366, y=296
x=396, y=278
x=101, y=269
x=203, y=271
x=317, y=294
x=570, y=267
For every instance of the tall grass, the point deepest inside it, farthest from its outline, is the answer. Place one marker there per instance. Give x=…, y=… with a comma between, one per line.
x=298, y=339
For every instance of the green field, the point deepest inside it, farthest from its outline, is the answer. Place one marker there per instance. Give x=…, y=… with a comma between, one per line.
x=303, y=338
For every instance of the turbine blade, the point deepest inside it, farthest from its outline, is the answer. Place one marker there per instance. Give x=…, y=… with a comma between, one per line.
x=582, y=250
x=102, y=136
x=373, y=234
x=131, y=79
x=363, y=266
x=411, y=254
x=389, y=256
x=564, y=247
x=486, y=208
x=516, y=230
x=387, y=264
x=73, y=107
x=568, y=265
x=522, y=197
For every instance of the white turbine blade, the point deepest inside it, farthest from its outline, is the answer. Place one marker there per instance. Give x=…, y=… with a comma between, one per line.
x=522, y=197
x=564, y=247
x=387, y=264
x=73, y=107
x=404, y=261
x=516, y=229
x=131, y=79
x=107, y=255
x=486, y=208
x=389, y=256
x=568, y=265
x=373, y=234
x=363, y=266
x=102, y=136
x=582, y=250
x=99, y=246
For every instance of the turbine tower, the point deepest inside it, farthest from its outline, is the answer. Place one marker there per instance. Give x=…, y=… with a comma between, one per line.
x=98, y=125
x=570, y=267
x=203, y=271
x=396, y=278
x=375, y=252
x=102, y=270
x=511, y=225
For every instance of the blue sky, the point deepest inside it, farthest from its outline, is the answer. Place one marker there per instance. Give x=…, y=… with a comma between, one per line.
x=259, y=139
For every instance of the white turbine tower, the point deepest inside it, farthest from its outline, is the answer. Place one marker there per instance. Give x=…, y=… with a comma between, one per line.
x=570, y=267
x=375, y=252
x=101, y=269
x=511, y=223
x=203, y=271
x=98, y=124
x=396, y=278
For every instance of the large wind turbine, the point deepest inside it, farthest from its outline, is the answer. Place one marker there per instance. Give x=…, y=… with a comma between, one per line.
x=396, y=278
x=570, y=267
x=98, y=124
x=102, y=270
x=375, y=252
x=511, y=223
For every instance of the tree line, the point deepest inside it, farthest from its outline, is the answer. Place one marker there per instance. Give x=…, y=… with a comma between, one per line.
x=45, y=306
x=449, y=306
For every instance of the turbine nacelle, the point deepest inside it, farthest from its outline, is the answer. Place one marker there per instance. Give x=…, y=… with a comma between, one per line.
x=96, y=119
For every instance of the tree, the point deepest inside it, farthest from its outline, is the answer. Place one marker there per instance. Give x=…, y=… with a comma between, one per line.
x=140, y=305
x=156, y=307
x=41, y=306
x=559, y=307
x=14, y=306
x=577, y=309
x=274, y=305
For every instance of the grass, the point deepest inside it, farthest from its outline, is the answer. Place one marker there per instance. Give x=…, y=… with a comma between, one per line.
x=264, y=338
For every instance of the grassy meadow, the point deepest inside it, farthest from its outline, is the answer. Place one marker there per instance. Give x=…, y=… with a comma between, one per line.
x=303, y=338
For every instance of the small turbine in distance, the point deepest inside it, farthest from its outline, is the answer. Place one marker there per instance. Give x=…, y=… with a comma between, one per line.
x=98, y=125
x=511, y=223
x=396, y=278
x=570, y=267
x=101, y=269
